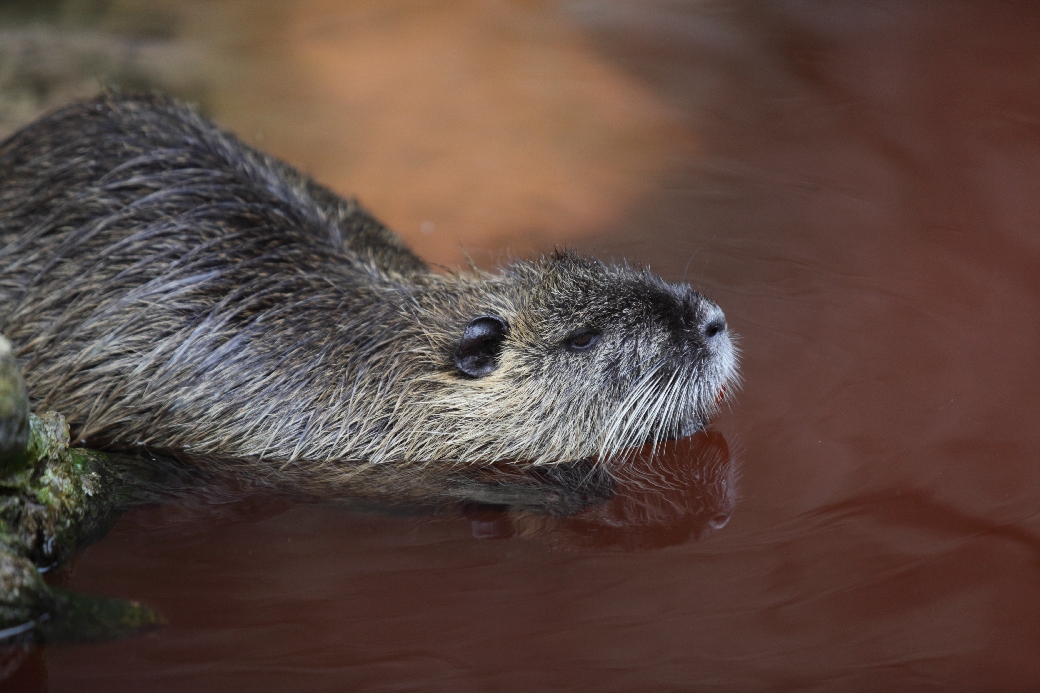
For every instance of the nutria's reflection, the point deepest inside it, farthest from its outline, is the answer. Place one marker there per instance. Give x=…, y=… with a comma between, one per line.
x=686, y=490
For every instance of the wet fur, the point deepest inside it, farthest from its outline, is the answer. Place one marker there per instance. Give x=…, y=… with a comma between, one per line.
x=167, y=286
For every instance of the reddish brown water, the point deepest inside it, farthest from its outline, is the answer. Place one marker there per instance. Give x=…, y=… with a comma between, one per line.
x=857, y=184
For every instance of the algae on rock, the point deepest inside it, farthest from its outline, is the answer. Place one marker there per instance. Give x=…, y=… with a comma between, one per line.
x=54, y=500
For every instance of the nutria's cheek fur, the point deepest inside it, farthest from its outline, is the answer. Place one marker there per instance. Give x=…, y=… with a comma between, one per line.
x=167, y=286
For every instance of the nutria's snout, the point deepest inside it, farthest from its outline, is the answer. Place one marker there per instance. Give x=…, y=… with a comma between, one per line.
x=713, y=332
x=705, y=360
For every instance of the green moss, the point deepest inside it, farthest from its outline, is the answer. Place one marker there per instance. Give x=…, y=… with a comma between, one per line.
x=53, y=502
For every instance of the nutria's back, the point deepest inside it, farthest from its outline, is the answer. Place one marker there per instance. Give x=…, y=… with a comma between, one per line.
x=167, y=286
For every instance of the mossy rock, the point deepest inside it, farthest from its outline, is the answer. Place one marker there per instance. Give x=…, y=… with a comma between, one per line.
x=54, y=500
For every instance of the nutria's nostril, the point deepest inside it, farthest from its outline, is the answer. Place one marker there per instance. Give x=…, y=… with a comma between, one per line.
x=714, y=327
x=719, y=520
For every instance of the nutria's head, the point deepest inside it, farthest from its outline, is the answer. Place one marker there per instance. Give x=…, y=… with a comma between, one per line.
x=560, y=360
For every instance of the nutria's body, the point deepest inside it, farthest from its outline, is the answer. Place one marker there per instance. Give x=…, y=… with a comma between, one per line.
x=164, y=285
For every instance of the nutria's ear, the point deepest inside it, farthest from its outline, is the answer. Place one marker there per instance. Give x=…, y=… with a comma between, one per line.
x=477, y=353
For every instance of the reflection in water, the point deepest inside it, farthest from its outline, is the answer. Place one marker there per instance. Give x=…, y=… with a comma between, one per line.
x=686, y=490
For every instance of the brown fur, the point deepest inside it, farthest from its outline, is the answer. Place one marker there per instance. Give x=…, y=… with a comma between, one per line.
x=167, y=286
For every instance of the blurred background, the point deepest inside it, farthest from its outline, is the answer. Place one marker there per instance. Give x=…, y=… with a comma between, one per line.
x=459, y=123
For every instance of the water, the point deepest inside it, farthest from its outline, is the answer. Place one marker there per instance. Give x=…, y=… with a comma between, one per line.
x=856, y=185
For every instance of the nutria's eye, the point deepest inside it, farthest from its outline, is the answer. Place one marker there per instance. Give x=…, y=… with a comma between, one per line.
x=582, y=340
x=477, y=353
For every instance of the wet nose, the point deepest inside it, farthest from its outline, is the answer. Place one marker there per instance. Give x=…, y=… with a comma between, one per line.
x=713, y=325
x=714, y=328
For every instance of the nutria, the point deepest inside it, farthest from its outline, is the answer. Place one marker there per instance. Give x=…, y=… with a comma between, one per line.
x=167, y=286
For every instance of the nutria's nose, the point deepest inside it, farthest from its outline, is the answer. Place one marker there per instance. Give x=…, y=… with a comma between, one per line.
x=714, y=327
x=719, y=520
x=713, y=324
